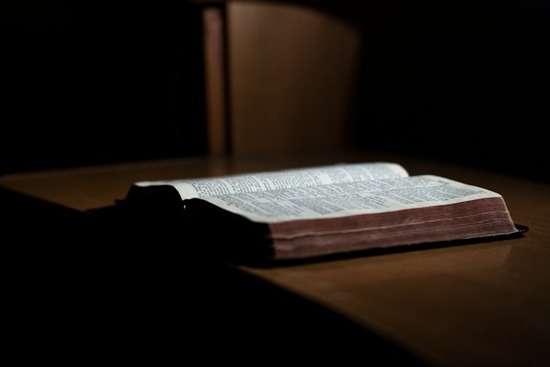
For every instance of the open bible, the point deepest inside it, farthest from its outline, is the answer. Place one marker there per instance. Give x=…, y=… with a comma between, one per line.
x=325, y=210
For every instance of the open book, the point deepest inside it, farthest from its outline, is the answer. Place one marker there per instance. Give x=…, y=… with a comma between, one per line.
x=318, y=211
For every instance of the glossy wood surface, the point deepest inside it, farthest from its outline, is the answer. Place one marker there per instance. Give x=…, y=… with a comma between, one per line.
x=477, y=304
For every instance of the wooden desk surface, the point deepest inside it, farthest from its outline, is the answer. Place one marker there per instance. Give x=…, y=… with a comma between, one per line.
x=482, y=304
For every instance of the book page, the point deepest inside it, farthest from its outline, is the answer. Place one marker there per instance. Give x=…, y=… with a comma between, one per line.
x=280, y=180
x=348, y=198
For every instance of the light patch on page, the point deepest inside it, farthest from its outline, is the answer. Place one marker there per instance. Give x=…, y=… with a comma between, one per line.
x=348, y=198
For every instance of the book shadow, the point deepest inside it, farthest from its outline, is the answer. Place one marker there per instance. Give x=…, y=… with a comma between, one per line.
x=228, y=309
x=123, y=284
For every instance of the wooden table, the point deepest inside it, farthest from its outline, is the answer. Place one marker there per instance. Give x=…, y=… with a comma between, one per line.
x=481, y=304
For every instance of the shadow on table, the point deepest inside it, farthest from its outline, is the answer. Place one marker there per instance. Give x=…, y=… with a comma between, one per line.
x=119, y=285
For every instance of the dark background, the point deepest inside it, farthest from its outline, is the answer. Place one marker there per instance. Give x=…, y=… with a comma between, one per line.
x=88, y=83
x=461, y=81
x=466, y=82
